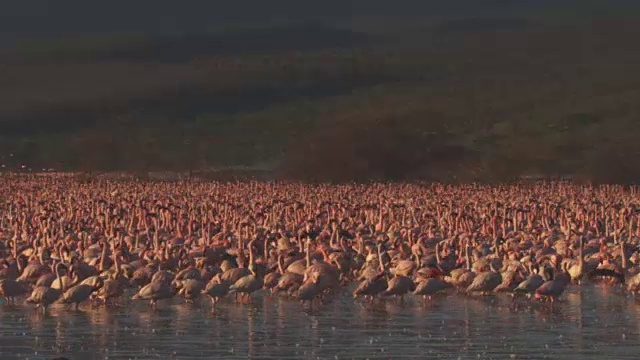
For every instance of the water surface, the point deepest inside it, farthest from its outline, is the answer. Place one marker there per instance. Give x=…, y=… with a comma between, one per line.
x=592, y=321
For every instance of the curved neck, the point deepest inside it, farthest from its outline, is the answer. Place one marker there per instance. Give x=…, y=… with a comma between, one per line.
x=251, y=257
x=381, y=263
x=102, y=257
x=59, y=278
x=116, y=263
x=581, y=253
x=308, y=252
x=280, y=265
x=467, y=256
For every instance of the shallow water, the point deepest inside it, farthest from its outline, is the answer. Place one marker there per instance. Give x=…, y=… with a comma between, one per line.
x=590, y=322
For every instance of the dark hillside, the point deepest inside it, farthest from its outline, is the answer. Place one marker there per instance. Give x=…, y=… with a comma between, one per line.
x=346, y=90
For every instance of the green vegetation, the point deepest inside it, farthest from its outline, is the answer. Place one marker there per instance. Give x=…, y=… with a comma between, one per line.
x=396, y=97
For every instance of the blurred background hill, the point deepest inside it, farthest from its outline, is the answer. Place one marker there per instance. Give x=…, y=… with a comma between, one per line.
x=332, y=90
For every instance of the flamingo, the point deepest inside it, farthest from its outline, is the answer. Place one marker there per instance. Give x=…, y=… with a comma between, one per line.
x=43, y=296
x=371, y=287
x=190, y=289
x=11, y=289
x=216, y=289
x=309, y=290
x=429, y=287
x=154, y=291
x=81, y=292
x=250, y=283
x=529, y=285
x=576, y=271
x=485, y=282
x=399, y=286
x=553, y=288
x=272, y=279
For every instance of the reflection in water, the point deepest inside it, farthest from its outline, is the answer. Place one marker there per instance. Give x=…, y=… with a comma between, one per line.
x=590, y=322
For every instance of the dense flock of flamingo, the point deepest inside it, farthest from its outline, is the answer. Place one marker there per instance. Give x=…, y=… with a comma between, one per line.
x=63, y=241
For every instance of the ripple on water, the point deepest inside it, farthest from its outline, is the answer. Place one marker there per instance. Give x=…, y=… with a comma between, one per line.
x=590, y=322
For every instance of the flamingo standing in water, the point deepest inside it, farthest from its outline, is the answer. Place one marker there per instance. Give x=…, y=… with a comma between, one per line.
x=81, y=292
x=216, y=289
x=430, y=287
x=250, y=283
x=154, y=291
x=399, y=286
x=43, y=296
x=12, y=289
x=309, y=290
x=373, y=285
x=485, y=282
x=553, y=288
x=529, y=285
